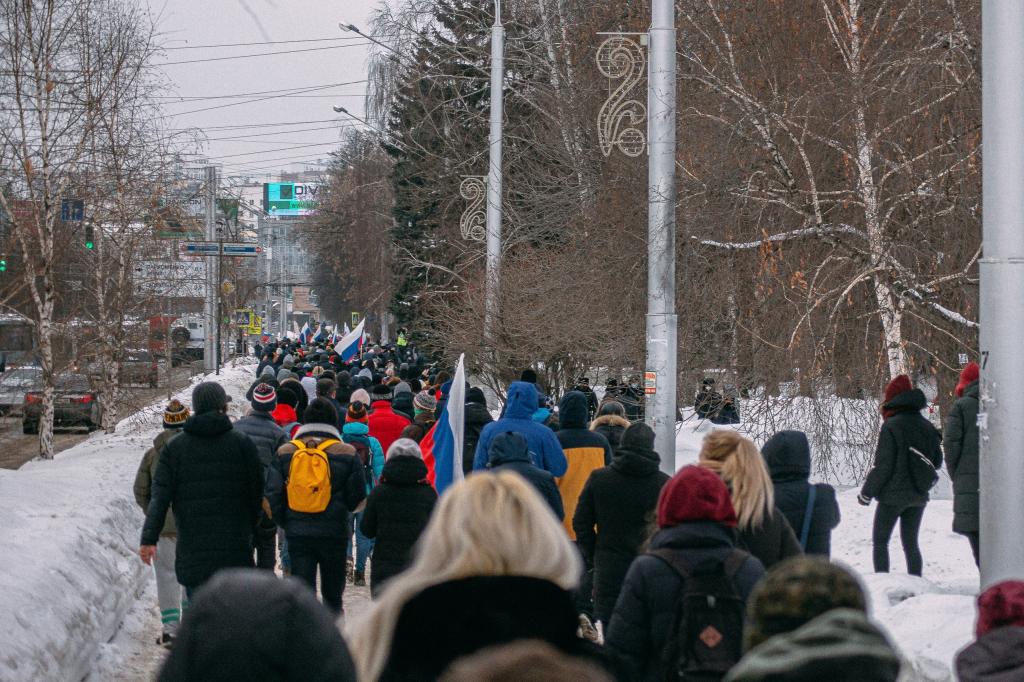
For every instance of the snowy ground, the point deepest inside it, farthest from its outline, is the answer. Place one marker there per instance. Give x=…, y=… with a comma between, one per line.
x=78, y=604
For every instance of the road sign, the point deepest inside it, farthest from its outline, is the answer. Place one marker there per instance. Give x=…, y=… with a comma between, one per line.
x=72, y=210
x=229, y=249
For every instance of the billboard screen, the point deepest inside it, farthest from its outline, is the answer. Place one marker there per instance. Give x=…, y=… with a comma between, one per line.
x=290, y=199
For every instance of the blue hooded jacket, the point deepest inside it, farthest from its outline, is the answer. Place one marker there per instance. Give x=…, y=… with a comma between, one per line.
x=518, y=418
x=355, y=430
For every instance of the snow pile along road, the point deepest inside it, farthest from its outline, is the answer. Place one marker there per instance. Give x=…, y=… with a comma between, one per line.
x=69, y=529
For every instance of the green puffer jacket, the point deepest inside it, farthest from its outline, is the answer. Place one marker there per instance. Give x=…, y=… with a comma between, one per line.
x=144, y=478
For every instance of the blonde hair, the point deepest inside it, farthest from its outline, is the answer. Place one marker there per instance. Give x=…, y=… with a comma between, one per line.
x=739, y=463
x=491, y=524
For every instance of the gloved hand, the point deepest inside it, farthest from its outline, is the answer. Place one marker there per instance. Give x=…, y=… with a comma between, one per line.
x=865, y=501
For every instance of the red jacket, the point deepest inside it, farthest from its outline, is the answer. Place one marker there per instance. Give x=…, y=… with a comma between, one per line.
x=284, y=415
x=385, y=425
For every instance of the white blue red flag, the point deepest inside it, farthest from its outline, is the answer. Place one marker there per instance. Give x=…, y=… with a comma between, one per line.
x=442, y=446
x=350, y=344
x=319, y=336
x=304, y=334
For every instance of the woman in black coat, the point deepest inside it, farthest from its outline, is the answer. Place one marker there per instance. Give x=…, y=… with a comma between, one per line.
x=397, y=511
x=615, y=512
x=890, y=480
x=960, y=444
x=788, y=456
x=477, y=417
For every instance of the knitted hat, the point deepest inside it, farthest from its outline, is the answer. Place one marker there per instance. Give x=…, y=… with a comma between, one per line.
x=175, y=415
x=264, y=398
x=900, y=384
x=287, y=396
x=1001, y=605
x=380, y=392
x=209, y=396
x=320, y=411
x=970, y=374
x=424, y=402
x=356, y=412
x=795, y=592
x=360, y=396
x=693, y=494
x=639, y=436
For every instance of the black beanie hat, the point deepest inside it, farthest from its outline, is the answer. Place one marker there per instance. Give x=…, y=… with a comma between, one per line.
x=209, y=396
x=320, y=411
x=529, y=376
x=380, y=392
x=287, y=396
x=476, y=395
x=639, y=436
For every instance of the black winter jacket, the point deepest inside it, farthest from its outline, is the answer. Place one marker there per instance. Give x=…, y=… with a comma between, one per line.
x=455, y=619
x=772, y=541
x=477, y=417
x=612, y=519
x=265, y=434
x=996, y=656
x=788, y=456
x=889, y=480
x=509, y=453
x=396, y=513
x=611, y=426
x=643, y=618
x=210, y=476
x=251, y=625
x=960, y=443
x=348, y=487
x=402, y=404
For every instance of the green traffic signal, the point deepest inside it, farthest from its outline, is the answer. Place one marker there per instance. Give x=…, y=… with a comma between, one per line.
x=88, y=245
x=3, y=265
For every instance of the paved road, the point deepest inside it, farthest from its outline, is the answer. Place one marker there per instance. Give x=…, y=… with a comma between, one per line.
x=16, y=448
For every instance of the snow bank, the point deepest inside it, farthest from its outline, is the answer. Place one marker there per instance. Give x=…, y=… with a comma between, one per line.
x=69, y=529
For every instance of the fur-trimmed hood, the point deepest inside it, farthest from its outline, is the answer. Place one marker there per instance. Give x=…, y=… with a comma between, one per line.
x=609, y=420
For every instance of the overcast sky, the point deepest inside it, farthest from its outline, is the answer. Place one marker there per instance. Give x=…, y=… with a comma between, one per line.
x=188, y=30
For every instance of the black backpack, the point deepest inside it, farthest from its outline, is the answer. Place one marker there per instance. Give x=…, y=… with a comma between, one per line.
x=706, y=639
x=364, y=455
x=923, y=473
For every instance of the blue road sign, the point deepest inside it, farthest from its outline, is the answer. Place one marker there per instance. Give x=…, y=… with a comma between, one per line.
x=72, y=210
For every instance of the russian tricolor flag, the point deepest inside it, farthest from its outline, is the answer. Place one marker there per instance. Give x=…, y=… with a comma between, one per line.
x=442, y=446
x=350, y=344
x=304, y=334
x=319, y=336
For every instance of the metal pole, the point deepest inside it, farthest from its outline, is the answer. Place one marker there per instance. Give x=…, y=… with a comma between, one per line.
x=494, y=181
x=220, y=312
x=265, y=270
x=661, y=233
x=1001, y=418
x=209, y=312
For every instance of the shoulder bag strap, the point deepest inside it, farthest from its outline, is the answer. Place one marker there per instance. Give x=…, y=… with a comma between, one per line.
x=805, y=531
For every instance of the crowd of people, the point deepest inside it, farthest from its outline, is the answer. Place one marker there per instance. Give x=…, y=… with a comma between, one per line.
x=566, y=553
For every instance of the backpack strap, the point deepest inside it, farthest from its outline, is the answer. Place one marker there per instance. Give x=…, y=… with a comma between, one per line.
x=673, y=560
x=805, y=531
x=734, y=562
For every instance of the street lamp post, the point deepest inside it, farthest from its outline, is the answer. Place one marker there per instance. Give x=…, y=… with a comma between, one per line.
x=660, y=379
x=494, y=182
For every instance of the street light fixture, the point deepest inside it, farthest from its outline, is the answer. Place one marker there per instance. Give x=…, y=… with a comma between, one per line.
x=352, y=28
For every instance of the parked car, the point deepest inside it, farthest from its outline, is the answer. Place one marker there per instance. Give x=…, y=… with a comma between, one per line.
x=15, y=383
x=74, y=404
x=139, y=367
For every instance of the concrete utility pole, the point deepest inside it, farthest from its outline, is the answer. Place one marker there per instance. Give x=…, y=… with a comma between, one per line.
x=661, y=233
x=494, y=189
x=212, y=288
x=1001, y=419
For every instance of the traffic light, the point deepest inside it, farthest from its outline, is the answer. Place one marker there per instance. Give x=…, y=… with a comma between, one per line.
x=89, y=242
x=3, y=263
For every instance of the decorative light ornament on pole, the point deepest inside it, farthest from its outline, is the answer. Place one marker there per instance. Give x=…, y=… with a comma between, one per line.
x=473, y=221
x=494, y=182
x=620, y=57
x=1000, y=426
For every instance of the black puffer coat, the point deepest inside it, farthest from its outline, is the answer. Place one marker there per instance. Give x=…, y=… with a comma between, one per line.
x=644, y=614
x=282, y=635
x=997, y=656
x=477, y=417
x=211, y=477
x=509, y=452
x=960, y=443
x=772, y=541
x=455, y=619
x=266, y=434
x=396, y=514
x=889, y=481
x=612, y=520
x=788, y=456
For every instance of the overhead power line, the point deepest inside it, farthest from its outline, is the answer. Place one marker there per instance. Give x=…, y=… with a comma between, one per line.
x=264, y=54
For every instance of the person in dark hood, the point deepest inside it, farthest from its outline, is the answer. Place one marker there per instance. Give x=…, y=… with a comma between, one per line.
x=614, y=512
x=518, y=418
x=583, y=386
x=891, y=481
x=960, y=445
x=402, y=403
x=477, y=416
x=997, y=655
x=708, y=401
x=585, y=451
x=397, y=511
x=611, y=422
x=509, y=452
x=211, y=476
x=283, y=635
x=788, y=456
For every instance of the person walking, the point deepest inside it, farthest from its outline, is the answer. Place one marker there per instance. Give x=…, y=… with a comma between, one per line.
x=476, y=418
x=905, y=434
x=212, y=477
x=370, y=456
x=762, y=529
x=268, y=437
x=648, y=635
x=997, y=653
x=611, y=422
x=317, y=524
x=960, y=445
x=397, y=511
x=385, y=424
x=509, y=452
x=810, y=508
x=614, y=514
x=585, y=452
x=169, y=592
x=518, y=418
